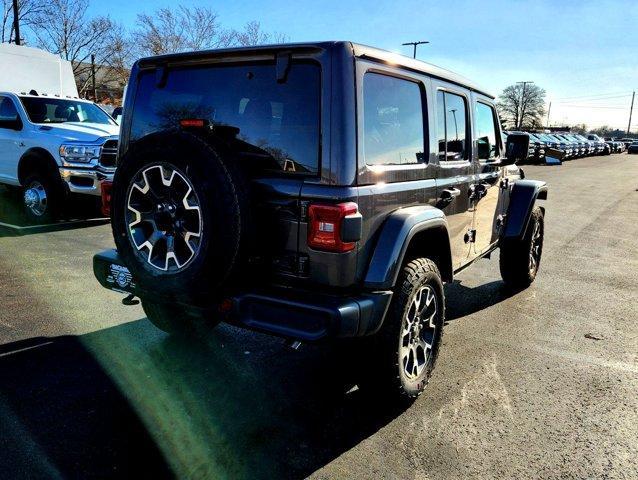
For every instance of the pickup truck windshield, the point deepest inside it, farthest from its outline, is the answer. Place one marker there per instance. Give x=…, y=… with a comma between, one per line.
x=61, y=110
x=273, y=125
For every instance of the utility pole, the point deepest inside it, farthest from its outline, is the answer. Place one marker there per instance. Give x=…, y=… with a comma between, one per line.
x=16, y=21
x=93, y=78
x=415, y=44
x=549, y=110
x=631, y=110
x=520, y=124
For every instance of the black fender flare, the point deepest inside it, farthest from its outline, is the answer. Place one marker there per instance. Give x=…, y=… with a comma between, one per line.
x=396, y=234
x=523, y=197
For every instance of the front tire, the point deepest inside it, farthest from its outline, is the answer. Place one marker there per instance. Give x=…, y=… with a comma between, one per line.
x=520, y=258
x=43, y=198
x=406, y=348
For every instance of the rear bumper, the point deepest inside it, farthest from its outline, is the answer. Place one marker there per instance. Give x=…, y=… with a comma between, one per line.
x=303, y=315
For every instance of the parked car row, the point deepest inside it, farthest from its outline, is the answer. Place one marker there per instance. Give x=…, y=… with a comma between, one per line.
x=572, y=145
x=616, y=145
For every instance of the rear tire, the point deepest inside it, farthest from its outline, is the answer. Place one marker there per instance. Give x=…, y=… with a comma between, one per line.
x=43, y=198
x=404, y=352
x=178, y=321
x=520, y=258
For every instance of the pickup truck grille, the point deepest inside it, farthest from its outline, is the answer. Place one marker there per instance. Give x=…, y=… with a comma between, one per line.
x=109, y=154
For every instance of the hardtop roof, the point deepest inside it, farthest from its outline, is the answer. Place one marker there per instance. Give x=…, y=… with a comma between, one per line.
x=357, y=50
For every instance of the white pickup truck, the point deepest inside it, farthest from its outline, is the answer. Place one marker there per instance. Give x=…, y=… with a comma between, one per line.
x=51, y=144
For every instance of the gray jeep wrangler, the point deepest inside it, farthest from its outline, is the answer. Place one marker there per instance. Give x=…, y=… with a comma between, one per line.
x=315, y=191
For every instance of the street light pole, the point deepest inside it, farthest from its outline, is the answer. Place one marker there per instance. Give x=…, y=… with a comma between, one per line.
x=631, y=111
x=415, y=44
x=93, y=78
x=16, y=21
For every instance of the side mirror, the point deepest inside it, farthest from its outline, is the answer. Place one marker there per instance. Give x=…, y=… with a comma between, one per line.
x=11, y=123
x=516, y=148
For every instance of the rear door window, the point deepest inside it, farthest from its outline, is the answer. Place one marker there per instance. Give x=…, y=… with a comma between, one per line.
x=275, y=125
x=451, y=126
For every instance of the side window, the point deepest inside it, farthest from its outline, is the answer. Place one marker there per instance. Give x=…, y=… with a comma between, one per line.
x=486, y=132
x=8, y=112
x=392, y=122
x=451, y=126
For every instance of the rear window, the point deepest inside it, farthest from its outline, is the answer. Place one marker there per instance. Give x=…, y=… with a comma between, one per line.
x=277, y=123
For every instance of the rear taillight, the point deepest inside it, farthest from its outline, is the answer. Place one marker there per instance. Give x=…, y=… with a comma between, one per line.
x=106, y=187
x=326, y=227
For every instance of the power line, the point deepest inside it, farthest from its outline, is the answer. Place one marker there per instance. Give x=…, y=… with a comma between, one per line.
x=626, y=94
x=593, y=101
x=592, y=106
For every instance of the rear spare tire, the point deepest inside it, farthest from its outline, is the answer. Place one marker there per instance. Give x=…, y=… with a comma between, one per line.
x=178, y=216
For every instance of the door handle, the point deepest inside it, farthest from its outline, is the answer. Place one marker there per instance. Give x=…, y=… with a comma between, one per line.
x=479, y=190
x=450, y=194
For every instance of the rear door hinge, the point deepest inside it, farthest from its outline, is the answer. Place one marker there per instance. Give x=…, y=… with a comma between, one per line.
x=505, y=183
x=303, y=210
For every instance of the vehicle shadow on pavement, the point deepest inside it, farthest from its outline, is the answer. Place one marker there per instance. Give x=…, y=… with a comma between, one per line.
x=462, y=301
x=61, y=416
x=129, y=399
x=14, y=223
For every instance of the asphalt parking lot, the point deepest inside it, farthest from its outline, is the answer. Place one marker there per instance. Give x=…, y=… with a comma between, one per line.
x=539, y=384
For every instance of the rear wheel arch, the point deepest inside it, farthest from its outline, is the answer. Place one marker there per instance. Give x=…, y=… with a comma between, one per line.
x=409, y=233
x=432, y=243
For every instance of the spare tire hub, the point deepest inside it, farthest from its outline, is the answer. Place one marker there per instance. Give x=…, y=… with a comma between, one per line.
x=164, y=217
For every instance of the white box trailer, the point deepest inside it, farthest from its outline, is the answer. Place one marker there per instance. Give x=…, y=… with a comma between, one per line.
x=26, y=68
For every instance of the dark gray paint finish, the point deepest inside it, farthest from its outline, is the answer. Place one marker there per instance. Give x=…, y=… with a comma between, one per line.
x=395, y=202
x=398, y=229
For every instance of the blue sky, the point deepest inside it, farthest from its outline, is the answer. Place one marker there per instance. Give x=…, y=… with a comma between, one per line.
x=584, y=53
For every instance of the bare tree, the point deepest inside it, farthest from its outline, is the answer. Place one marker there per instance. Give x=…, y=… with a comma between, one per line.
x=121, y=56
x=522, y=106
x=580, y=128
x=182, y=29
x=29, y=12
x=64, y=28
x=179, y=30
x=252, y=34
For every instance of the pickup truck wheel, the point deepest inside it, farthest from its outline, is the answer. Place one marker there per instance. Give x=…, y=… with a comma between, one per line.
x=520, y=258
x=42, y=198
x=406, y=348
x=175, y=320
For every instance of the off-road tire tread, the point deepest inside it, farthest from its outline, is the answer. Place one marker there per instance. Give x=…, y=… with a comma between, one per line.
x=386, y=344
x=514, y=255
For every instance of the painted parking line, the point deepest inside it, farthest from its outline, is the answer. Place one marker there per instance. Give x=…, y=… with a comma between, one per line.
x=49, y=225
